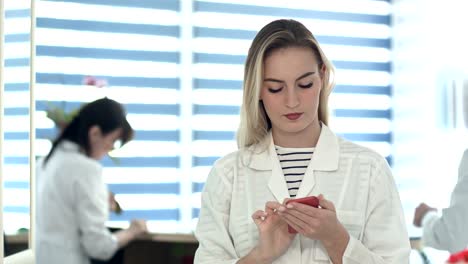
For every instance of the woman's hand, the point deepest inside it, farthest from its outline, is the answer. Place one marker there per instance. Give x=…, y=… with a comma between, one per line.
x=318, y=223
x=420, y=212
x=274, y=238
x=138, y=227
x=114, y=206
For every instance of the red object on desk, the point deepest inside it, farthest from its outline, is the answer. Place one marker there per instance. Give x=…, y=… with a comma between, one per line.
x=459, y=257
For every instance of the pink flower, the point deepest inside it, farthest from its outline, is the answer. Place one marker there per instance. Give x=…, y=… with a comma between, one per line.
x=89, y=80
x=92, y=80
x=101, y=83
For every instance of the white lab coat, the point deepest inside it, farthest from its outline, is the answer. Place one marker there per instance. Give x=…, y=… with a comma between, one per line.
x=450, y=231
x=357, y=180
x=72, y=209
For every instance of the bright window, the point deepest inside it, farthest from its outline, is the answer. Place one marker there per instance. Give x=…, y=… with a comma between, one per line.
x=178, y=67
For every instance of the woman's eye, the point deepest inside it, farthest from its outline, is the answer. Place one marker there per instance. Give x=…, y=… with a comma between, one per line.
x=274, y=90
x=306, y=85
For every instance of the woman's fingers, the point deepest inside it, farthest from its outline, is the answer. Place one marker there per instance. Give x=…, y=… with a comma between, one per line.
x=326, y=204
x=272, y=207
x=138, y=227
x=313, y=211
x=259, y=216
x=291, y=221
x=303, y=210
x=297, y=223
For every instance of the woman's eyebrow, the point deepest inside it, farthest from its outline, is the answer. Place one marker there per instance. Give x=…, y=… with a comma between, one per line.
x=273, y=80
x=281, y=81
x=305, y=75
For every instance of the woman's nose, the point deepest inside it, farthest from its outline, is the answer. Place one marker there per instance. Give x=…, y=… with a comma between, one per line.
x=292, y=98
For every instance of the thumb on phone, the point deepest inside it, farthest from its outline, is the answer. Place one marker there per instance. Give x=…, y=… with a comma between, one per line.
x=326, y=204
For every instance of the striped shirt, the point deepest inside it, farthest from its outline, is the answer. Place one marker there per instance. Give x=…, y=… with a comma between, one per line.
x=294, y=162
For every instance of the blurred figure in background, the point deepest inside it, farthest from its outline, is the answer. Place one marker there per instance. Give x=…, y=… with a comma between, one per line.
x=72, y=198
x=450, y=230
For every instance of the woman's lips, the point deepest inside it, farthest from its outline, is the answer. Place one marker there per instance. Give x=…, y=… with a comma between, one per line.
x=293, y=116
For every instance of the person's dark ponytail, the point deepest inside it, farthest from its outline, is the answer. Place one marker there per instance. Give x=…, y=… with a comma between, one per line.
x=67, y=132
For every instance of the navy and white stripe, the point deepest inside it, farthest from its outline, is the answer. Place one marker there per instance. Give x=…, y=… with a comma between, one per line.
x=294, y=162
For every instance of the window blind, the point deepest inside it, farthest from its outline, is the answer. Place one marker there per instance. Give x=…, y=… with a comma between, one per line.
x=16, y=116
x=177, y=66
x=135, y=46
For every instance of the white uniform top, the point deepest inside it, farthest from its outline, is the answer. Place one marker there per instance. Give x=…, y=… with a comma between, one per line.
x=450, y=231
x=357, y=180
x=72, y=209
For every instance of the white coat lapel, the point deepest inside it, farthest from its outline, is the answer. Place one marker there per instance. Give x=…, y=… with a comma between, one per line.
x=277, y=183
x=325, y=158
x=262, y=156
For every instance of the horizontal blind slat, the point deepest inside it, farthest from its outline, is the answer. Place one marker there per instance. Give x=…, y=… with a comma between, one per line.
x=77, y=79
x=173, y=5
x=81, y=25
x=288, y=12
x=96, y=53
x=205, y=32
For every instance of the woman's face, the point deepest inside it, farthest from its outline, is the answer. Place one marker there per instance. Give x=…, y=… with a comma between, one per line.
x=291, y=91
x=101, y=144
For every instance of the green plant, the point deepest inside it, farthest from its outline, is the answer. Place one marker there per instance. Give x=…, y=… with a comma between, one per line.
x=57, y=113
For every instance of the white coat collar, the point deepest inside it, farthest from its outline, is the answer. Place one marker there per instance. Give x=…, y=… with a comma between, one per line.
x=69, y=146
x=325, y=158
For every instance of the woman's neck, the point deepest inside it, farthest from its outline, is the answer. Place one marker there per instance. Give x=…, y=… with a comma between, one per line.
x=306, y=138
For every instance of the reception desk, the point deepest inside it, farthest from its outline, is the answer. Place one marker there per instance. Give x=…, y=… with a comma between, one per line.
x=150, y=248
x=161, y=248
x=180, y=248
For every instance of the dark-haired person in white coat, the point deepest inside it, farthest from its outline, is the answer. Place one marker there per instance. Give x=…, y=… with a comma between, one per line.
x=72, y=199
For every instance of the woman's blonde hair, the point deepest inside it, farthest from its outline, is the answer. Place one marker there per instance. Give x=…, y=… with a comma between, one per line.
x=283, y=33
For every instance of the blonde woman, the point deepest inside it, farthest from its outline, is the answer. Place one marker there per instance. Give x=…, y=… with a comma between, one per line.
x=286, y=150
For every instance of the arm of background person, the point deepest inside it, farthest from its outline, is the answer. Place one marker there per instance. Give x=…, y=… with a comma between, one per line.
x=449, y=231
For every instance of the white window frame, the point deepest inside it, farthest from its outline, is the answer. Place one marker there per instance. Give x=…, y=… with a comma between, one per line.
x=26, y=256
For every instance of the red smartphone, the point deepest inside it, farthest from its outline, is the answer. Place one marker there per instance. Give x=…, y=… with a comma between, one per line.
x=309, y=200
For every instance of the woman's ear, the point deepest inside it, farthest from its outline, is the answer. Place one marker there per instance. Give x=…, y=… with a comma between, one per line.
x=323, y=70
x=94, y=133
